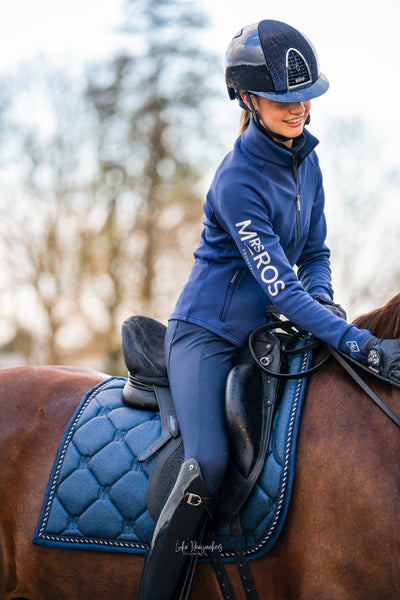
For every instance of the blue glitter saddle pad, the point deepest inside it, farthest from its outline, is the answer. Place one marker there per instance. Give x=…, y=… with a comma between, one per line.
x=96, y=494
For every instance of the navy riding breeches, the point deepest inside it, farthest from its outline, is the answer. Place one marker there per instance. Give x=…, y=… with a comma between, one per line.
x=198, y=363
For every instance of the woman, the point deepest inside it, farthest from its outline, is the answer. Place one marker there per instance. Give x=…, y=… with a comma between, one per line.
x=264, y=214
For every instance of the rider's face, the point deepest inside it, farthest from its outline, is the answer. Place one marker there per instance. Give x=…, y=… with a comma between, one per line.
x=284, y=118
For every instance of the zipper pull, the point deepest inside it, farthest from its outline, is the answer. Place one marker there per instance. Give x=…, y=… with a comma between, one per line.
x=297, y=217
x=234, y=277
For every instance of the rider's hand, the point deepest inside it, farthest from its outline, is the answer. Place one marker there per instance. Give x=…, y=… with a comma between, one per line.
x=383, y=356
x=336, y=309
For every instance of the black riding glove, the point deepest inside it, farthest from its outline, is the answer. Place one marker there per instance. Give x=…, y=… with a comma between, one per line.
x=383, y=356
x=335, y=309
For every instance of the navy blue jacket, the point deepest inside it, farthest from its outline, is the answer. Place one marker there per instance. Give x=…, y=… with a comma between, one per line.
x=264, y=214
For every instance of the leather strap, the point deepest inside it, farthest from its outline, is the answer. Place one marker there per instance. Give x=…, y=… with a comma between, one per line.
x=221, y=575
x=367, y=369
x=374, y=397
x=294, y=335
x=241, y=562
x=169, y=424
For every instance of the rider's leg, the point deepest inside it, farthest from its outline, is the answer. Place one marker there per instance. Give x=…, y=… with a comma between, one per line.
x=198, y=365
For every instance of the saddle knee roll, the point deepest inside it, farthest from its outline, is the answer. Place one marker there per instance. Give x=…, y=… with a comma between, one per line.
x=244, y=406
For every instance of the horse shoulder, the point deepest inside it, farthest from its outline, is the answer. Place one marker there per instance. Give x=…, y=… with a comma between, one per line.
x=346, y=484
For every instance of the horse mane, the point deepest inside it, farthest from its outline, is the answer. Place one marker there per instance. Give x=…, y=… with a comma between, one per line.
x=383, y=322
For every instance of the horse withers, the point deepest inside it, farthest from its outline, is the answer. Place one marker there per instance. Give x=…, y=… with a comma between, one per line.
x=341, y=536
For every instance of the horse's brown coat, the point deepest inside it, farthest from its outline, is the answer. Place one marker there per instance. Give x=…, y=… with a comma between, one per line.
x=341, y=540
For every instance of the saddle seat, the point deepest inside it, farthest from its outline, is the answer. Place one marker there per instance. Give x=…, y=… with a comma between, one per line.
x=142, y=340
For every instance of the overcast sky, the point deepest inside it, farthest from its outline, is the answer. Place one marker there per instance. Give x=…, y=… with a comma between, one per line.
x=357, y=41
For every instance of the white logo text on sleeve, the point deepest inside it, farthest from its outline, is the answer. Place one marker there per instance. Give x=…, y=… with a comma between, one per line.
x=260, y=258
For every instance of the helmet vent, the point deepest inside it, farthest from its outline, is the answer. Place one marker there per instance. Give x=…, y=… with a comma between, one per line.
x=297, y=70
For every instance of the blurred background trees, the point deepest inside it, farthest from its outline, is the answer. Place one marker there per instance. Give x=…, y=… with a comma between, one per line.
x=101, y=203
x=362, y=183
x=102, y=182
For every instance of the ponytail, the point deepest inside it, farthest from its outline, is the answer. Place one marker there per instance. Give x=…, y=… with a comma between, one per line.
x=244, y=121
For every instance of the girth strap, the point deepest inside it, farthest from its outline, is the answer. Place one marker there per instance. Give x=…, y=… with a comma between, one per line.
x=241, y=562
x=221, y=575
x=242, y=566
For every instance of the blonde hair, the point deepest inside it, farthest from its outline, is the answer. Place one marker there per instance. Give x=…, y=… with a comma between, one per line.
x=244, y=121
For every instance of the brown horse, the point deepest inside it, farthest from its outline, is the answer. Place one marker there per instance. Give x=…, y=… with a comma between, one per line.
x=341, y=537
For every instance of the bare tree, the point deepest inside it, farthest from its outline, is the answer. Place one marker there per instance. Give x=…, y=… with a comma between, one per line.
x=41, y=215
x=151, y=108
x=157, y=105
x=102, y=199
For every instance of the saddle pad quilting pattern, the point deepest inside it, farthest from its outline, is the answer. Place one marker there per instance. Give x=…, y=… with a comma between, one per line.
x=96, y=495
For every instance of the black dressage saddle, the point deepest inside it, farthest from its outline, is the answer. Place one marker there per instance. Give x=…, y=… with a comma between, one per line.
x=249, y=405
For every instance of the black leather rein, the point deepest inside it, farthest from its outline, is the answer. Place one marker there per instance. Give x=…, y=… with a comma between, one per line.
x=364, y=386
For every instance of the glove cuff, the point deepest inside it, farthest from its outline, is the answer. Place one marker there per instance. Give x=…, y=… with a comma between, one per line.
x=334, y=308
x=373, y=353
x=369, y=343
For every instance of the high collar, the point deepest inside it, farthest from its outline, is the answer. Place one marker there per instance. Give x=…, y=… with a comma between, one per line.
x=261, y=146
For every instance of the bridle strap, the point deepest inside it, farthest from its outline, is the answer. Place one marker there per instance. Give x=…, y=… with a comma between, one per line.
x=364, y=386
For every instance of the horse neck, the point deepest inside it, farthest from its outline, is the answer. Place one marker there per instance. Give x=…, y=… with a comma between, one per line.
x=383, y=322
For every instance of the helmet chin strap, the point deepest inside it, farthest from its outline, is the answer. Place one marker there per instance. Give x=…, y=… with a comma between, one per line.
x=256, y=118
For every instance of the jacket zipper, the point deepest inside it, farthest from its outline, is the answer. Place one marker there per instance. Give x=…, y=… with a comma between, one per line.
x=298, y=206
x=228, y=294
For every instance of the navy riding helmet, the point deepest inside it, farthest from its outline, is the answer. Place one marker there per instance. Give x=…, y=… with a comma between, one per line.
x=275, y=61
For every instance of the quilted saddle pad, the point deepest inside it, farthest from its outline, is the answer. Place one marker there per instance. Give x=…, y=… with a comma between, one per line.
x=96, y=494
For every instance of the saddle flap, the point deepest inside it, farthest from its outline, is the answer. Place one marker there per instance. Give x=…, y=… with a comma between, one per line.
x=250, y=400
x=142, y=340
x=163, y=475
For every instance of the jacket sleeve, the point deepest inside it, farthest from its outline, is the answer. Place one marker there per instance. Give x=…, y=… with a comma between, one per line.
x=249, y=225
x=314, y=270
